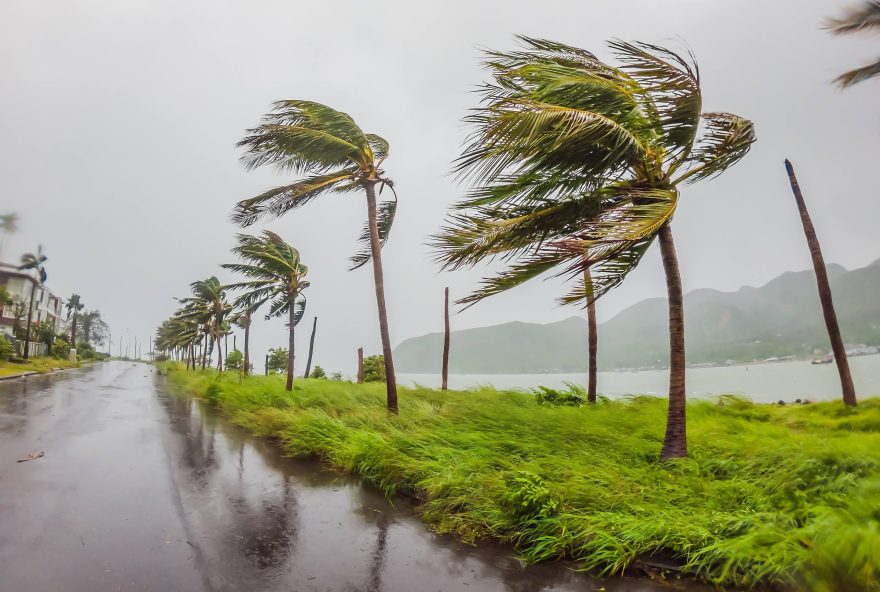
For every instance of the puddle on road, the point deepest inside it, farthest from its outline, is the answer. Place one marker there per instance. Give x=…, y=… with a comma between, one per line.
x=256, y=520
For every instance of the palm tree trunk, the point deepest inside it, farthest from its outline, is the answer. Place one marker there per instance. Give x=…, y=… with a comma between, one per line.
x=311, y=348
x=73, y=332
x=27, y=333
x=376, y=251
x=446, y=342
x=290, y=343
x=247, y=353
x=592, y=338
x=219, y=352
x=837, y=347
x=360, y=365
x=675, y=442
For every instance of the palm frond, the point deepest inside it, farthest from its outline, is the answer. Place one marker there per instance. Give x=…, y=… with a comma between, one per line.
x=670, y=91
x=852, y=77
x=385, y=212
x=726, y=138
x=864, y=17
x=280, y=200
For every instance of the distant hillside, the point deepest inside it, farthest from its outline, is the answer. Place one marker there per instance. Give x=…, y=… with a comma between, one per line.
x=780, y=318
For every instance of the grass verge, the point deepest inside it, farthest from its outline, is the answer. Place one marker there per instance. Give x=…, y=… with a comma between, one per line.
x=41, y=365
x=781, y=496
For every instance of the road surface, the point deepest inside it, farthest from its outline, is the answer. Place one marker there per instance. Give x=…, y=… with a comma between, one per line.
x=143, y=490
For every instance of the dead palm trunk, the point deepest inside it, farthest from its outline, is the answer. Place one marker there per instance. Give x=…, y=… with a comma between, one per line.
x=376, y=252
x=446, y=341
x=311, y=348
x=675, y=442
x=592, y=338
x=360, y=365
x=290, y=352
x=837, y=347
x=247, y=337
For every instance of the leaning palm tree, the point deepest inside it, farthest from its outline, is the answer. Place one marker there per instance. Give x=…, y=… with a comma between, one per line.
x=73, y=307
x=577, y=165
x=275, y=276
x=848, y=389
x=32, y=262
x=335, y=155
x=208, y=307
x=865, y=17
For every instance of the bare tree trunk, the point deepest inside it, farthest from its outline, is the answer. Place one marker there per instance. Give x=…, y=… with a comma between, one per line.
x=376, y=251
x=290, y=352
x=360, y=365
x=247, y=353
x=446, y=341
x=592, y=338
x=27, y=331
x=311, y=348
x=675, y=442
x=837, y=347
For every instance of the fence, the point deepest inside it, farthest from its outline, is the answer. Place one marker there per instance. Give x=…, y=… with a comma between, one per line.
x=37, y=349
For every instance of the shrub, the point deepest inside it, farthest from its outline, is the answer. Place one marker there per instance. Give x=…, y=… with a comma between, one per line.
x=278, y=360
x=61, y=348
x=318, y=372
x=7, y=349
x=235, y=360
x=374, y=369
x=574, y=395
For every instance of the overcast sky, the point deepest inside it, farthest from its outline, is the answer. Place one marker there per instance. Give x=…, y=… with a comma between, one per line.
x=118, y=122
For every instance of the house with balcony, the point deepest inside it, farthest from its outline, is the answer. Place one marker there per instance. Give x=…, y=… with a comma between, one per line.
x=20, y=285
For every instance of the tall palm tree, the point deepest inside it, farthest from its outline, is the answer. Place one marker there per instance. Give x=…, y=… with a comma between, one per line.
x=277, y=277
x=862, y=18
x=577, y=165
x=208, y=307
x=837, y=346
x=73, y=307
x=334, y=155
x=32, y=262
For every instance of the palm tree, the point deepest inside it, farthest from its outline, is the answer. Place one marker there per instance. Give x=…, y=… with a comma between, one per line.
x=335, y=155
x=243, y=320
x=577, y=165
x=277, y=277
x=208, y=307
x=32, y=261
x=837, y=346
x=73, y=307
x=865, y=17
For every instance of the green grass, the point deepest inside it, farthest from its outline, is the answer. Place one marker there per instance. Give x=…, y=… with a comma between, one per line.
x=41, y=365
x=786, y=496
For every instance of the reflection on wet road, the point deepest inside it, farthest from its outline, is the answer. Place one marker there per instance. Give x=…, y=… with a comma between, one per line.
x=143, y=490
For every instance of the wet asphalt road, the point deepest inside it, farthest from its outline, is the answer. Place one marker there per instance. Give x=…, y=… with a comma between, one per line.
x=142, y=490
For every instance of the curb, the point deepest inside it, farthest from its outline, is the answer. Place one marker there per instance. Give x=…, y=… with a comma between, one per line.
x=20, y=375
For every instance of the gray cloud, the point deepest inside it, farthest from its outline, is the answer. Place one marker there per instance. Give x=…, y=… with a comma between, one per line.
x=118, y=119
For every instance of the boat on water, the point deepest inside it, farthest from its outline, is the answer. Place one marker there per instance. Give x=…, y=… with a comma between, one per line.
x=825, y=360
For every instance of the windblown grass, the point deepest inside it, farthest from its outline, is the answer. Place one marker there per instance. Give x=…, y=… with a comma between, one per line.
x=784, y=496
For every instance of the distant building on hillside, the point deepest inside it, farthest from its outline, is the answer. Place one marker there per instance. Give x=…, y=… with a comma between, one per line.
x=19, y=284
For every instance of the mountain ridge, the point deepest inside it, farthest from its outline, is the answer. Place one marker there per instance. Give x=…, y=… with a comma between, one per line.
x=780, y=318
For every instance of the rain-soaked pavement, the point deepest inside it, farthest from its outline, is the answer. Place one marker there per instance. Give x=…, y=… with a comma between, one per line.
x=143, y=490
